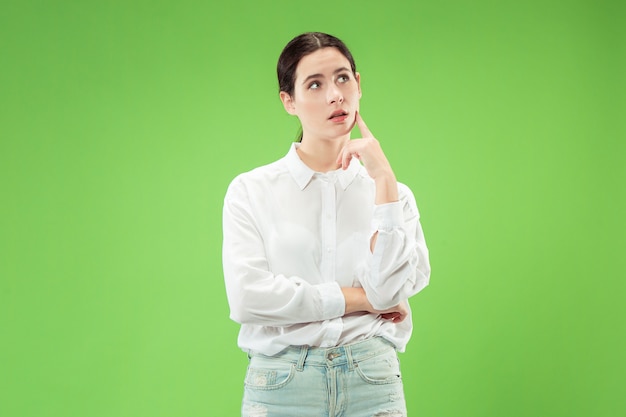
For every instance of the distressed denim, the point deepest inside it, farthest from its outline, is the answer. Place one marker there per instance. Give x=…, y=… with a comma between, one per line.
x=356, y=380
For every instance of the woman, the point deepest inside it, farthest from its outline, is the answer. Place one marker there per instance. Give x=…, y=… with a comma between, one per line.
x=321, y=251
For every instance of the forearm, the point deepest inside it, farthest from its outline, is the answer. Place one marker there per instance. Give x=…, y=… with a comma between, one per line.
x=356, y=300
x=386, y=188
x=275, y=300
x=386, y=192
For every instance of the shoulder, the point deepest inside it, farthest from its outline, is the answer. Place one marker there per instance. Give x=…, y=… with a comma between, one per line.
x=257, y=177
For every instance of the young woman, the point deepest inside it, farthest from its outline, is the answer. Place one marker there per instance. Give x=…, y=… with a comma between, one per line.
x=321, y=251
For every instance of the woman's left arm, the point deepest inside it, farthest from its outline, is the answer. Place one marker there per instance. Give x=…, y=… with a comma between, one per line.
x=398, y=265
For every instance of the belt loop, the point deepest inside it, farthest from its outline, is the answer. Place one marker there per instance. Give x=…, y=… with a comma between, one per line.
x=304, y=350
x=349, y=359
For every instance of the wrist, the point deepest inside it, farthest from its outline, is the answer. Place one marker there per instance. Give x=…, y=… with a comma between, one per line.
x=384, y=175
x=386, y=188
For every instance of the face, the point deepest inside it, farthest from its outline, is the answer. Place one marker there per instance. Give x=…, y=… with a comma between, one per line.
x=326, y=95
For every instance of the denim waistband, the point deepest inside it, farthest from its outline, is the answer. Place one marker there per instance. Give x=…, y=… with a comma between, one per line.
x=332, y=356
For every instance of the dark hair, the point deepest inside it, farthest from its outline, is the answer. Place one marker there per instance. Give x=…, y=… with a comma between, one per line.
x=299, y=47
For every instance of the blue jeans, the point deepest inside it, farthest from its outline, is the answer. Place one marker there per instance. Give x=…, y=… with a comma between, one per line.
x=356, y=380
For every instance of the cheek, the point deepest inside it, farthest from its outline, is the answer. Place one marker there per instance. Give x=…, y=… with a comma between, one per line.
x=310, y=105
x=352, y=93
x=355, y=98
x=357, y=92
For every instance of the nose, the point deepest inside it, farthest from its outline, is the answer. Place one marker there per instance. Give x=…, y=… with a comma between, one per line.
x=334, y=95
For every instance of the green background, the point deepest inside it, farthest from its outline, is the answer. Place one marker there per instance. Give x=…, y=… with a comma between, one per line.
x=122, y=123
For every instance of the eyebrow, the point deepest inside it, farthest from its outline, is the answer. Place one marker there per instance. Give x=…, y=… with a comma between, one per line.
x=322, y=76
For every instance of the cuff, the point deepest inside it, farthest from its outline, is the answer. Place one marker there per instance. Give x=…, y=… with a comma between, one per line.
x=332, y=302
x=388, y=216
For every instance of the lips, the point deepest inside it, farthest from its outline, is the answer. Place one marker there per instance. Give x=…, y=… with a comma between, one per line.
x=338, y=114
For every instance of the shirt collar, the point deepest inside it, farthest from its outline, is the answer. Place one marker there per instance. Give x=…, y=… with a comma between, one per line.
x=302, y=174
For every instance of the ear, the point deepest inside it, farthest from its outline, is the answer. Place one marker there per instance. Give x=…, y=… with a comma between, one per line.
x=288, y=103
x=358, y=82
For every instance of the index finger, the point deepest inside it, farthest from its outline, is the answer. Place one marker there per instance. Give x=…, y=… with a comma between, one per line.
x=365, y=132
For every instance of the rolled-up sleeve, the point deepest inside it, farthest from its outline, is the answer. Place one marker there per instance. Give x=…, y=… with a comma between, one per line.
x=398, y=267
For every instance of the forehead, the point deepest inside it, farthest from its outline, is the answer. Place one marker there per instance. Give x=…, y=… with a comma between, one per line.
x=323, y=61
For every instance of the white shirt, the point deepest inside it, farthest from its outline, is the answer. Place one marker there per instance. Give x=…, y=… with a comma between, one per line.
x=293, y=237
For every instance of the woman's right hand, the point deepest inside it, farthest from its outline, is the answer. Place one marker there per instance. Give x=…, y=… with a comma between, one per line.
x=356, y=300
x=395, y=314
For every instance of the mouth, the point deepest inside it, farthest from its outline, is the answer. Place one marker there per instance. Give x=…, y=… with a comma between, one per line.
x=338, y=116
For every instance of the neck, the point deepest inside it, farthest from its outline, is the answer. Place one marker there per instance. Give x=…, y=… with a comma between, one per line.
x=321, y=155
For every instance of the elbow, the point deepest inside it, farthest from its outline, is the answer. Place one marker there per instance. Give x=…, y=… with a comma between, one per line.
x=241, y=317
x=242, y=310
x=422, y=279
x=239, y=314
x=383, y=297
x=247, y=316
x=244, y=300
x=239, y=302
x=251, y=307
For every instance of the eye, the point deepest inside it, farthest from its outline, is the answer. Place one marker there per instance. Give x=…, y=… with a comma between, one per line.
x=314, y=85
x=343, y=78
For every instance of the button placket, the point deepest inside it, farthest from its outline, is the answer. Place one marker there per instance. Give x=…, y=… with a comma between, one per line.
x=329, y=230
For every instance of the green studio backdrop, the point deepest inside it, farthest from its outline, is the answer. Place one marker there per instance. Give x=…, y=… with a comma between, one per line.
x=122, y=123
